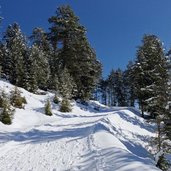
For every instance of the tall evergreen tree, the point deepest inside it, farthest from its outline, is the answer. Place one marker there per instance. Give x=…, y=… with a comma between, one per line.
x=151, y=74
x=73, y=51
x=129, y=84
x=119, y=88
x=41, y=53
x=30, y=81
x=40, y=65
x=151, y=78
x=104, y=91
x=16, y=46
x=112, y=88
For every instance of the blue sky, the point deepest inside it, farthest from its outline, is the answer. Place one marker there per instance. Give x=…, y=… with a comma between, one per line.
x=115, y=27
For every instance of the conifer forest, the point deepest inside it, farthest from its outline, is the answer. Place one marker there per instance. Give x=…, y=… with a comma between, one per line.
x=61, y=66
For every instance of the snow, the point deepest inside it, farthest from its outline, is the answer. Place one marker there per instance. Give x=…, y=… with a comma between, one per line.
x=90, y=138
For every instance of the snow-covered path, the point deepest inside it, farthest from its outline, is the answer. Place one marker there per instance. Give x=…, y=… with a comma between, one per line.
x=79, y=143
x=111, y=139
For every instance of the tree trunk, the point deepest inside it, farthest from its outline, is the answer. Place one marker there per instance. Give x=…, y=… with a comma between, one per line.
x=142, y=109
x=159, y=133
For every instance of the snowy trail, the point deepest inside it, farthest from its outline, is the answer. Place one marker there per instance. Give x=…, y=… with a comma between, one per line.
x=46, y=146
x=73, y=145
x=110, y=139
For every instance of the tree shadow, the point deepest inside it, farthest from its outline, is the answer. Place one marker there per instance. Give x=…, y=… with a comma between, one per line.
x=136, y=149
x=134, y=110
x=135, y=121
x=40, y=136
x=111, y=159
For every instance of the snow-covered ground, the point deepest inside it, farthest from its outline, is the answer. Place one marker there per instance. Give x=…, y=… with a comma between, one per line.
x=108, y=139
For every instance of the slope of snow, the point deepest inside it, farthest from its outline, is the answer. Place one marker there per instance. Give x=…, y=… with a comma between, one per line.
x=90, y=138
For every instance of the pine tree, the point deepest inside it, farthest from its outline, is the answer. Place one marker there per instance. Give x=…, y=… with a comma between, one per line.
x=42, y=53
x=65, y=106
x=48, y=110
x=128, y=76
x=30, y=82
x=53, y=82
x=66, y=84
x=16, y=99
x=96, y=95
x=40, y=66
x=14, y=57
x=112, y=88
x=72, y=51
x=119, y=88
x=151, y=78
x=6, y=113
x=3, y=97
x=104, y=88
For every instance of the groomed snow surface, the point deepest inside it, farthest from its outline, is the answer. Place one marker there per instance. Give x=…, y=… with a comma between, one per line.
x=87, y=139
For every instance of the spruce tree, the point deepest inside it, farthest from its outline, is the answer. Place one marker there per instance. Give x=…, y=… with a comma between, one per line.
x=30, y=82
x=66, y=84
x=151, y=78
x=128, y=76
x=75, y=53
x=65, y=106
x=48, y=110
x=53, y=82
x=104, y=90
x=16, y=99
x=16, y=49
x=96, y=95
x=39, y=66
x=3, y=97
x=112, y=88
x=6, y=113
x=42, y=53
x=119, y=88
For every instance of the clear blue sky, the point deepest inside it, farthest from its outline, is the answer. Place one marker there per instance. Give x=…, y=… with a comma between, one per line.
x=115, y=27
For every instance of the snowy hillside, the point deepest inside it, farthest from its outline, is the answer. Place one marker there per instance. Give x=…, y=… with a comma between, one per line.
x=108, y=139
